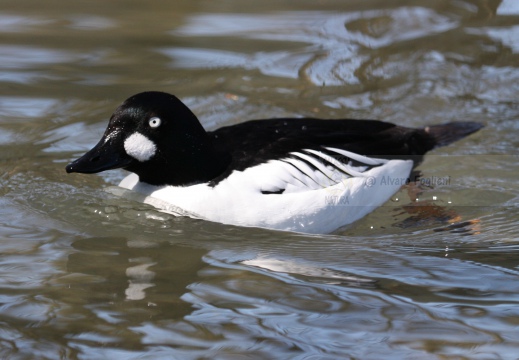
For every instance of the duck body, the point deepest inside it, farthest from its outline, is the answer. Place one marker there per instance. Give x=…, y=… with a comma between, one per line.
x=294, y=174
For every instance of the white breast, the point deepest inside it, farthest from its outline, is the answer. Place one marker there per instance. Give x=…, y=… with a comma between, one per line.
x=321, y=193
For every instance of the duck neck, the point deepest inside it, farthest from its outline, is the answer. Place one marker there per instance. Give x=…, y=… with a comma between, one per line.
x=199, y=167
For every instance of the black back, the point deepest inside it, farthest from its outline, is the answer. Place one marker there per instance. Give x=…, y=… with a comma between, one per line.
x=257, y=141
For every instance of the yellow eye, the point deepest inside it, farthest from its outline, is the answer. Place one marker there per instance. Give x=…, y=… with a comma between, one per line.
x=154, y=122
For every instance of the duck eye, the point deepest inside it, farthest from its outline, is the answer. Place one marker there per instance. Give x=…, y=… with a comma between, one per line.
x=154, y=122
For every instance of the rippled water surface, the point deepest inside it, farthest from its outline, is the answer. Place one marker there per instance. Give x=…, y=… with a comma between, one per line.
x=86, y=274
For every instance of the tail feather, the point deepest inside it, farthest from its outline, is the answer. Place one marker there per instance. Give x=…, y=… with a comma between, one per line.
x=444, y=134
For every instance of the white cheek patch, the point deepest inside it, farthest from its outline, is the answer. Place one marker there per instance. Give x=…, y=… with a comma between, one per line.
x=139, y=147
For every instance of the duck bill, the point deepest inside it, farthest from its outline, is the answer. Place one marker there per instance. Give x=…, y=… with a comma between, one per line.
x=102, y=157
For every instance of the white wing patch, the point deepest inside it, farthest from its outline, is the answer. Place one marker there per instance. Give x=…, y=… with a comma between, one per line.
x=139, y=147
x=310, y=170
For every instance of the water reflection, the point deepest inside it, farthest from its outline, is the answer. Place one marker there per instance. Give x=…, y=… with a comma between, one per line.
x=506, y=7
x=89, y=275
x=86, y=22
x=133, y=275
x=331, y=46
x=19, y=23
x=22, y=107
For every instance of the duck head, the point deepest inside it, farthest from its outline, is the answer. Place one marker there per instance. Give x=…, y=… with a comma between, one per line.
x=156, y=136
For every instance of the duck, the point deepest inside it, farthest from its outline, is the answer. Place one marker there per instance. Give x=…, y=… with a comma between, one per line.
x=303, y=175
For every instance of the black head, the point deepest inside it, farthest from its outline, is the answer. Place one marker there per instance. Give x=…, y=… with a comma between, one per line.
x=156, y=136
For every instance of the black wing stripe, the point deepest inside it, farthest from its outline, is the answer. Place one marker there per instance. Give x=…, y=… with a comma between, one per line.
x=304, y=168
x=315, y=163
x=338, y=164
x=360, y=158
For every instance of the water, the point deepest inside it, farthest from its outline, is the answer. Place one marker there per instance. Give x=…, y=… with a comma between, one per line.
x=89, y=275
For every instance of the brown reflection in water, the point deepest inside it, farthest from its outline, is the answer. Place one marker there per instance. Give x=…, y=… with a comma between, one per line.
x=428, y=213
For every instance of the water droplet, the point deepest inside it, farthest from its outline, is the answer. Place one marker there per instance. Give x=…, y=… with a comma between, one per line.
x=303, y=127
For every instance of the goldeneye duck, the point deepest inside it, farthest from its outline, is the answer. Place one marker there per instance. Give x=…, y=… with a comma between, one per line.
x=303, y=174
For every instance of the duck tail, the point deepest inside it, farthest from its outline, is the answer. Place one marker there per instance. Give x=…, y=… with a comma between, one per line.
x=444, y=134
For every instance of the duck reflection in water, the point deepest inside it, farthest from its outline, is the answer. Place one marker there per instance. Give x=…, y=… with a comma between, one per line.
x=134, y=273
